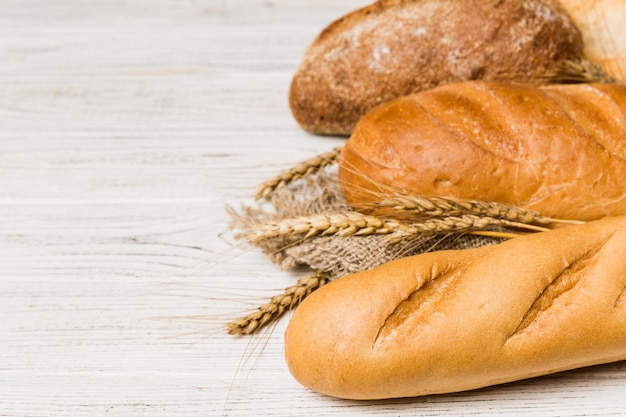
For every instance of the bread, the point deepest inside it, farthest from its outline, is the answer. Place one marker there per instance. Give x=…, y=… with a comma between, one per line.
x=458, y=320
x=601, y=23
x=559, y=149
x=397, y=47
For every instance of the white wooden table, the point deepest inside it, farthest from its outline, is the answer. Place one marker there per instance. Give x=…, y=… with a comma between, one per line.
x=125, y=126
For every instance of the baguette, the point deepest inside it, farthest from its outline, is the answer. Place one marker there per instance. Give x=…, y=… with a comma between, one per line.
x=558, y=149
x=397, y=47
x=458, y=320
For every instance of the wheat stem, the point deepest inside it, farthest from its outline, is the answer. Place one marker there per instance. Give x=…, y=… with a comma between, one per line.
x=569, y=222
x=278, y=305
x=299, y=171
x=496, y=234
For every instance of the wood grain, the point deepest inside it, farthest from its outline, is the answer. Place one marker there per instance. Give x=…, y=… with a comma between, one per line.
x=125, y=126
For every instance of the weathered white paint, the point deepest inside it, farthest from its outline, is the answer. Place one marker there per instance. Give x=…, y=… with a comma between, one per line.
x=125, y=126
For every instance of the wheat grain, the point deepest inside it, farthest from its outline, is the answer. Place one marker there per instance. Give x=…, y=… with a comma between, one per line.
x=277, y=306
x=302, y=170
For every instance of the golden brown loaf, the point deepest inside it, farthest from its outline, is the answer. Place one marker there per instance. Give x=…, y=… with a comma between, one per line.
x=560, y=150
x=458, y=320
x=397, y=47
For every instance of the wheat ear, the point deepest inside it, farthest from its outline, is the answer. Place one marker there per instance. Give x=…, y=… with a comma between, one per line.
x=347, y=223
x=278, y=305
x=442, y=207
x=351, y=223
x=299, y=171
x=467, y=223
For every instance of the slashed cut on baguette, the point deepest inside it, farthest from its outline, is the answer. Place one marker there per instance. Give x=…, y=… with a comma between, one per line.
x=458, y=320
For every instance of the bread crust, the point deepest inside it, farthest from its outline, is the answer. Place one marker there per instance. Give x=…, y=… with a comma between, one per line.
x=398, y=47
x=458, y=320
x=559, y=149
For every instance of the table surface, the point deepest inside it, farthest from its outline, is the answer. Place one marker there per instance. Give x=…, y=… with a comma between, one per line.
x=125, y=128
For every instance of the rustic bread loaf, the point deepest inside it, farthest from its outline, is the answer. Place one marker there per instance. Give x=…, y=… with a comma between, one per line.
x=397, y=47
x=560, y=149
x=601, y=23
x=457, y=320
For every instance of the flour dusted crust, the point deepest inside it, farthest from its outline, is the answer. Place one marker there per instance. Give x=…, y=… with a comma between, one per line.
x=457, y=320
x=397, y=47
x=559, y=149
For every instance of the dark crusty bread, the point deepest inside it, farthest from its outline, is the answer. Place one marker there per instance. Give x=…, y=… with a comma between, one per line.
x=458, y=320
x=560, y=149
x=397, y=47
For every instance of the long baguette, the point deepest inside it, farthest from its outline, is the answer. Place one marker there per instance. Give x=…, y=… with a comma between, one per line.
x=559, y=150
x=458, y=320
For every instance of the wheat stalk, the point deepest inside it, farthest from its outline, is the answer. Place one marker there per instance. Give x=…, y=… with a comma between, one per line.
x=442, y=207
x=278, y=305
x=455, y=224
x=347, y=223
x=297, y=172
x=351, y=223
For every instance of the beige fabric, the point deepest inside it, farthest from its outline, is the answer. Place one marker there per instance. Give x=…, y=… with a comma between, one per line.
x=335, y=255
x=343, y=256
